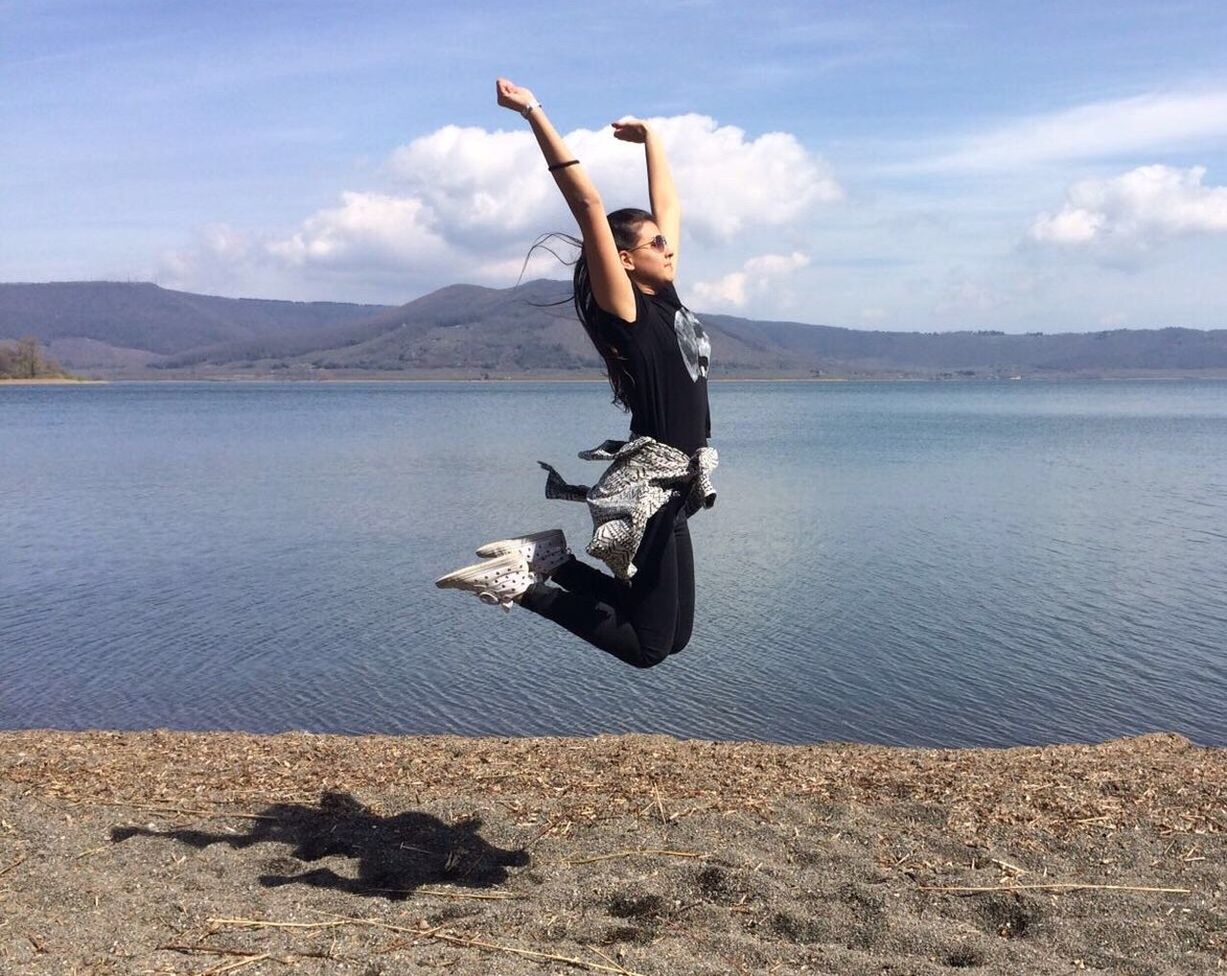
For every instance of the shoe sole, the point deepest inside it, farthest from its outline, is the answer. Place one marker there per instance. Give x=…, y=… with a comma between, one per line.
x=465, y=577
x=504, y=546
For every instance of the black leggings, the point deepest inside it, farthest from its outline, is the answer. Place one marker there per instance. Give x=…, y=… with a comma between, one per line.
x=643, y=623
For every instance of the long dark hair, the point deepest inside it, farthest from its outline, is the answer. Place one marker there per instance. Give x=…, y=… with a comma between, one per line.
x=624, y=224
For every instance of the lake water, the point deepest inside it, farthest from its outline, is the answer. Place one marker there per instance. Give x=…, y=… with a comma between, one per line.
x=930, y=564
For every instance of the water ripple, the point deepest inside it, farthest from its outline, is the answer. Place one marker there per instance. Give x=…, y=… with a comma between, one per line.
x=977, y=564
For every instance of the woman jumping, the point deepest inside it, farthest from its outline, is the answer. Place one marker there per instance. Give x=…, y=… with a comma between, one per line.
x=656, y=355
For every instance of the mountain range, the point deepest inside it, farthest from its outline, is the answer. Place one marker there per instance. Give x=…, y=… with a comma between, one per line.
x=140, y=330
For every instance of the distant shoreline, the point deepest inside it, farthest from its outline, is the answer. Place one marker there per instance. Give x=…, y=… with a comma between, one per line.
x=460, y=376
x=48, y=381
x=103, y=330
x=530, y=378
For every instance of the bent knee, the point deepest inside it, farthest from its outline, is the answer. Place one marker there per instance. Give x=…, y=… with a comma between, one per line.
x=650, y=656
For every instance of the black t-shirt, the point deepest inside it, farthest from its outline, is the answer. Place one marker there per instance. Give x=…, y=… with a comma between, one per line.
x=665, y=355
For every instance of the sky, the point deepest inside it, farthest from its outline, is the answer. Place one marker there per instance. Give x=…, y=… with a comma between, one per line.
x=1054, y=167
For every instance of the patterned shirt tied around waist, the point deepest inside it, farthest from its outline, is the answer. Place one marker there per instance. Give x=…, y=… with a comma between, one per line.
x=644, y=475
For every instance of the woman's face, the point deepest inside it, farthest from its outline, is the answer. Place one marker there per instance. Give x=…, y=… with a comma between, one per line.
x=650, y=261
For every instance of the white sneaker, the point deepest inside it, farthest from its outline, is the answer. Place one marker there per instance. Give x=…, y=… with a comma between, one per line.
x=544, y=551
x=499, y=581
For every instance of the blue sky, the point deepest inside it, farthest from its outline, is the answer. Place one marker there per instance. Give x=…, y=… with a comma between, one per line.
x=1018, y=166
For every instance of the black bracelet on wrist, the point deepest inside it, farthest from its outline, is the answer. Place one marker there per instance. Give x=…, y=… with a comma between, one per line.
x=569, y=162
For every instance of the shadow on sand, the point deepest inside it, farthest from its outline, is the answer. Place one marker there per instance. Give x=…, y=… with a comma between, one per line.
x=396, y=855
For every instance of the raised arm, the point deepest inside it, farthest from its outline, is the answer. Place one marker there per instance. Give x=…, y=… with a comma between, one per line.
x=611, y=287
x=666, y=208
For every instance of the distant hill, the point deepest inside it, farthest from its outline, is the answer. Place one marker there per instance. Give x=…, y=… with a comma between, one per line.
x=460, y=326
x=111, y=328
x=138, y=322
x=1119, y=349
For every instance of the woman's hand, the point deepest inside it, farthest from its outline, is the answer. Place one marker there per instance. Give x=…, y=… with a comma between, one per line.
x=513, y=96
x=630, y=130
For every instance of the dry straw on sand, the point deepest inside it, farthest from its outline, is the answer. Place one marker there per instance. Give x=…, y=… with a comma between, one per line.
x=214, y=853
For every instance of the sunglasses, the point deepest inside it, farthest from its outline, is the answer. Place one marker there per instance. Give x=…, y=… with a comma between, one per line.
x=657, y=243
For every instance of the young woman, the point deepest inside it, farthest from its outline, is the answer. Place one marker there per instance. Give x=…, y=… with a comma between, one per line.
x=656, y=355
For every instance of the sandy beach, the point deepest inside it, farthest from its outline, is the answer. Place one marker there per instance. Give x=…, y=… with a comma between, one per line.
x=167, y=852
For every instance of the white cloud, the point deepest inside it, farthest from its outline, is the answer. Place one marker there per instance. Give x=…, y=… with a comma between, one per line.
x=757, y=276
x=1129, y=125
x=495, y=182
x=501, y=272
x=729, y=183
x=1137, y=209
x=724, y=291
x=465, y=203
x=226, y=243
x=1070, y=226
x=472, y=179
x=776, y=264
x=367, y=229
x=210, y=264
